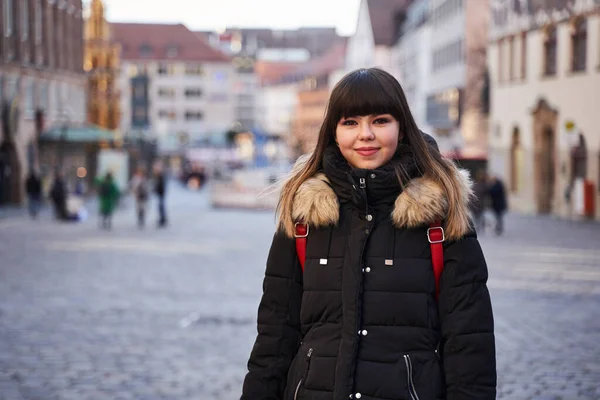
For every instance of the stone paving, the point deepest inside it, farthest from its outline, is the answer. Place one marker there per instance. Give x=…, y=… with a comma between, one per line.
x=170, y=313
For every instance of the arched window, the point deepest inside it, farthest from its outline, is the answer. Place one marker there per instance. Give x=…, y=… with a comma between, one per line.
x=579, y=45
x=550, y=44
x=516, y=160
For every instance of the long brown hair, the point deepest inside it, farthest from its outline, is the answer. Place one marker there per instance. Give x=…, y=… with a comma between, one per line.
x=372, y=91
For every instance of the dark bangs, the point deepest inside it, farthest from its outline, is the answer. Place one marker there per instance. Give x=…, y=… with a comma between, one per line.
x=363, y=93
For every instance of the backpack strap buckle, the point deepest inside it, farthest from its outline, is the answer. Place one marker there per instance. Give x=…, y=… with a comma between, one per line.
x=301, y=230
x=436, y=234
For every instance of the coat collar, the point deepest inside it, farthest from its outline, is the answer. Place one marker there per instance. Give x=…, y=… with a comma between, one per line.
x=422, y=202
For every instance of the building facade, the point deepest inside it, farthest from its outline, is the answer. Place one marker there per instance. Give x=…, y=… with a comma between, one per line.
x=41, y=82
x=457, y=78
x=412, y=56
x=317, y=79
x=545, y=90
x=175, y=88
x=377, y=30
x=249, y=46
x=101, y=62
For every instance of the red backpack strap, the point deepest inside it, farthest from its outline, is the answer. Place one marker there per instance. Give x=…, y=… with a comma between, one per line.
x=436, y=237
x=301, y=233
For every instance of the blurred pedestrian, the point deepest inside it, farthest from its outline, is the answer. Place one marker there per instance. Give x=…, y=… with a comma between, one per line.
x=109, y=196
x=33, y=188
x=160, y=188
x=58, y=194
x=139, y=188
x=363, y=317
x=498, y=202
x=480, y=199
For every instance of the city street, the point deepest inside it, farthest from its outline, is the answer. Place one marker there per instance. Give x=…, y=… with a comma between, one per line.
x=170, y=313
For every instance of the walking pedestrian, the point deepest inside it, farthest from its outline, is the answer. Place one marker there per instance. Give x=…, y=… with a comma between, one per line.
x=33, y=187
x=498, y=201
x=364, y=317
x=139, y=188
x=160, y=189
x=109, y=196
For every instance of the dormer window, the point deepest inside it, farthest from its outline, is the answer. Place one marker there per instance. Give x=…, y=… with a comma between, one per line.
x=145, y=50
x=172, y=51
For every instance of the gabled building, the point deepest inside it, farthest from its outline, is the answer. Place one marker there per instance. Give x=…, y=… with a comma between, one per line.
x=41, y=83
x=175, y=87
x=375, y=35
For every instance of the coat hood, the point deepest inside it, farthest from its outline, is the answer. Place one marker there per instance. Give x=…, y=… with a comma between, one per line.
x=421, y=202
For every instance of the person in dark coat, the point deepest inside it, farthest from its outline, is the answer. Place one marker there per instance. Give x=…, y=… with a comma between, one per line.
x=497, y=195
x=33, y=187
x=363, y=321
x=58, y=194
x=160, y=189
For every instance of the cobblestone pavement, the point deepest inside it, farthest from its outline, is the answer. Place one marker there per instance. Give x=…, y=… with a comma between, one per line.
x=170, y=313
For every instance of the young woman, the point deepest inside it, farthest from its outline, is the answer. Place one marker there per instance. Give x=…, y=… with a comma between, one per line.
x=363, y=320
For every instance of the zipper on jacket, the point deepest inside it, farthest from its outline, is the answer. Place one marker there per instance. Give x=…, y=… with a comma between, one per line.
x=363, y=183
x=409, y=372
x=303, y=378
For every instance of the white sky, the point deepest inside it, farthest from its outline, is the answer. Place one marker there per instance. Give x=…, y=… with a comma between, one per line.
x=217, y=14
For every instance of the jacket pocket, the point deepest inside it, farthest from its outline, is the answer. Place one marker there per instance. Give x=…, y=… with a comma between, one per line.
x=304, y=374
x=412, y=391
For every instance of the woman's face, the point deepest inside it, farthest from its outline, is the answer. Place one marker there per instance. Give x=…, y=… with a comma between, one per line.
x=368, y=141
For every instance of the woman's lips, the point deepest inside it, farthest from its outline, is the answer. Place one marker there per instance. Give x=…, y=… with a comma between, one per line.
x=367, y=151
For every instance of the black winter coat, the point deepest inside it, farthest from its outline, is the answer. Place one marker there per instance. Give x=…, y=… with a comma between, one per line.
x=362, y=321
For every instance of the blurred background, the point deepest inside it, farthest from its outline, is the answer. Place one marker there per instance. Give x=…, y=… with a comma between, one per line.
x=139, y=139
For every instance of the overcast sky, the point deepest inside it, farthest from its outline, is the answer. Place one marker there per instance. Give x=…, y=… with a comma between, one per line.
x=217, y=14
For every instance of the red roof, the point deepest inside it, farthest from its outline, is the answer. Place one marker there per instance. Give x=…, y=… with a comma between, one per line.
x=383, y=19
x=163, y=42
x=332, y=60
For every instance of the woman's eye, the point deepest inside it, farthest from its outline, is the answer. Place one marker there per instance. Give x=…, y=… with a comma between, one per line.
x=382, y=121
x=348, y=122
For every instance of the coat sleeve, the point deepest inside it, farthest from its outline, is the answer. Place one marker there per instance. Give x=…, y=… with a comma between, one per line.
x=467, y=323
x=278, y=323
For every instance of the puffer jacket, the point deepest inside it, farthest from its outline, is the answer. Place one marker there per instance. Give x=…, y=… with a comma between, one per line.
x=362, y=321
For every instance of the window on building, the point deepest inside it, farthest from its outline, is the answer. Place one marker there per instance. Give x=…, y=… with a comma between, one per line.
x=43, y=100
x=8, y=17
x=24, y=11
x=194, y=70
x=166, y=69
x=172, y=51
x=145, y=50
x=550, y=44
x=139, y=91
x=167, y=114
x=511, y=58
x=579, y=44
x=501, y=60
x=193, y=115
x=523, y=55
x=166, y=92
x=39, y=8
x=140, y=113
x=29, y=98
x=193, y=92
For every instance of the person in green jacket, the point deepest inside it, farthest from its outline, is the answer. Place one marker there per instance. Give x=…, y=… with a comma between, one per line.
x=109, y=196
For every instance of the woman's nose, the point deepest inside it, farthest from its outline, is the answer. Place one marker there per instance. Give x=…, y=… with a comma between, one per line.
x=365, y=131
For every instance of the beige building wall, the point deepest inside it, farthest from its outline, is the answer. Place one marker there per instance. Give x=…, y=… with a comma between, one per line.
x=569, y=96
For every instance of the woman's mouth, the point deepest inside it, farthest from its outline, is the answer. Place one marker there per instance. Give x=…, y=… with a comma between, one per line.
x=367, y=151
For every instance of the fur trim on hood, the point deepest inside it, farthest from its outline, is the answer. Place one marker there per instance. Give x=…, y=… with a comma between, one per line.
x=422, y=202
